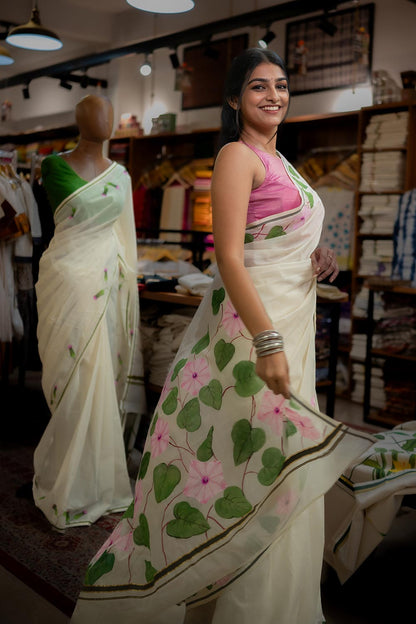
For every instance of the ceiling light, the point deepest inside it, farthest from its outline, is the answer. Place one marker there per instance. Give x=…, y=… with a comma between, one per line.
x=5, y=57
x=327, y=27
x=65, y=84
x=33, y=36
x=162, y=6
x=174, y=60
x=25, y=92
x=146, y=68
x=268, y=37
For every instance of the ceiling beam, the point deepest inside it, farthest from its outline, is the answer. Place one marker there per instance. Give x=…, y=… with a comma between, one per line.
x=261, y=17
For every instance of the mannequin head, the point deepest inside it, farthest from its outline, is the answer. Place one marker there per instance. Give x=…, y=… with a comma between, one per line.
x=94, y=117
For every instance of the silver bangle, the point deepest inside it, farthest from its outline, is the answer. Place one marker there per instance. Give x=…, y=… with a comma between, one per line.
x=270, y=351
x=265, y=336
x=268, y=342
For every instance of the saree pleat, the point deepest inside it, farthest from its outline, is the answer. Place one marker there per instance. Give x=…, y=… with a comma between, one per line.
x=91, y=358
x=232, y=476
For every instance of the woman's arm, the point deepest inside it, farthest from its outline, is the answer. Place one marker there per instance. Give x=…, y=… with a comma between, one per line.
x=235, y=172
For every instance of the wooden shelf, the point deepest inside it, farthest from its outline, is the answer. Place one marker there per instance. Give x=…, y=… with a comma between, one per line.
x=394, y=356
x=170, y=297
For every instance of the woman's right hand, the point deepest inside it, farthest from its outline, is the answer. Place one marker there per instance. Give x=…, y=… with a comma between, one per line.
x=274, y=371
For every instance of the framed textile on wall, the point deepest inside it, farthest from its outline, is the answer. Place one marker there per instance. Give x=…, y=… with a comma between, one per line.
x=207, y=66
x=330, y=51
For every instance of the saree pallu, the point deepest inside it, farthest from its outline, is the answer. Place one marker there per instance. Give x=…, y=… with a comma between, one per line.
x=88, y=339
x=232, y=474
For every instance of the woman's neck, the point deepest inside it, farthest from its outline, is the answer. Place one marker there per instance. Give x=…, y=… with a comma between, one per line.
x=261, y=141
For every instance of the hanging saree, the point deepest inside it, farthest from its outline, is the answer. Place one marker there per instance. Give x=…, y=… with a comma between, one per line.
x=232, y=475
x=88, y=339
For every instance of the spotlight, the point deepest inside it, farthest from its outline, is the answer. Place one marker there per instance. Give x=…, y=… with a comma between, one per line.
x=174, y=60
x=268, y=37
x=25, y=91
x=65, y=84
x=146, y=68
x=327, y=27
x=84, y=82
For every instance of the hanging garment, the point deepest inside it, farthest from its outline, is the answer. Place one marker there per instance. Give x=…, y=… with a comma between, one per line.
x=232, y=475
x=88, y=343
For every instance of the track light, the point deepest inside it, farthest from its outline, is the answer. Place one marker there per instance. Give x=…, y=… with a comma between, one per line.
x=146, y=68
x=84, y=81
x=268, y=37
x=174, y=60
x=326, y=26
x=162, y=6
x=5, y=57
x=65, y=84
x=33, y=36
x=25, y=91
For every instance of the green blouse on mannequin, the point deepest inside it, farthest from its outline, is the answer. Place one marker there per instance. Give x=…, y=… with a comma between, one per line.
x=59, y=179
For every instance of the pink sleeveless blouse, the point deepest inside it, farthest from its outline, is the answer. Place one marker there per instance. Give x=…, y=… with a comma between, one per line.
x=277, y=193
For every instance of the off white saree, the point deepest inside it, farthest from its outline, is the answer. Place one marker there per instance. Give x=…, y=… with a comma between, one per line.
x=229, y=497
x=91, y=360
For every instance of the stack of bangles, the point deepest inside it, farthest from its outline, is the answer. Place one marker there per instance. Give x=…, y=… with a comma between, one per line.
x=268, y=342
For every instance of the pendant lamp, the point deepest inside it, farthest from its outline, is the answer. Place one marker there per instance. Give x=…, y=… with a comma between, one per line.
x=163, y=6
x=33, y=36
x=5, y=57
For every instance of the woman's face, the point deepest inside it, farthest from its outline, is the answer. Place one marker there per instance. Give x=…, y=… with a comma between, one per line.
x=265, y=99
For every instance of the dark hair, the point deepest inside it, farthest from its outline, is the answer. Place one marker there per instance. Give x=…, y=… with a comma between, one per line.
x=238, y=75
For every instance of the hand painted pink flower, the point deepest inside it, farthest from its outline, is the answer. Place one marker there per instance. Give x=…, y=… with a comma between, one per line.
x=231, y=321
x=160, y=438
x=297, y=222
x=117, y=540
x=274, y=411
x=287, y=503
x=196, y=374
x=305, y=426
x=205, y=480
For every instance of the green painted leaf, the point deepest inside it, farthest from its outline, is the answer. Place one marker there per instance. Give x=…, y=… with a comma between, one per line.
x=272, y=460
x=218, y=297
x=201, y=344
x=179, y=365
x=310, y=197
x=170, y=404
x=165, y=479
x=276, y=231
x=269, y=523
x=233, y=503
x=153, y=425
x=223, y=352
x=247, y=382
x=211, y=394
x=409, y=445
x=204, y=452
x=144, y=464
x=150, y=571
x=189, y=417
x=293, y=404
x=372, y=463
x=102, y=566
x=141, y=534
x=290, y=429
x=189, y=521
x=248, y=238
x=412, y=460
x=129, y=511
x=247, y=440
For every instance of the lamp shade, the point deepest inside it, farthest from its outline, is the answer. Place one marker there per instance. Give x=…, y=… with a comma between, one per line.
x=162, y=6
x=5, y=57
x=33, y=36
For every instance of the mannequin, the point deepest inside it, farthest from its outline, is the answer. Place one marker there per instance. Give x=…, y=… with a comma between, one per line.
x=88, y=310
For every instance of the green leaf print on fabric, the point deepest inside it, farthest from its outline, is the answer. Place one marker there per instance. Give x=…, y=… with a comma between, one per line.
x=218, y=297
x=189, y=417
x=247, y=440
x=201, y=344
x=276, y=231
x=211, y=394
x=144, y=464
x=223, y=352
x=248, y=383
x=272, y=460
x=310, y=198
x=153, y=424
x=129, y=513
x=270, y=523
x=290, y=429
x=170, y=404
x=141, y=534
x=409, y=445
x=204, y=452
x=102, y=566
x=189, y=522
x=248, y=238
x=233, y=504
x=150, y=571
x=165, y=479
x=294, y=405
x=179, y=365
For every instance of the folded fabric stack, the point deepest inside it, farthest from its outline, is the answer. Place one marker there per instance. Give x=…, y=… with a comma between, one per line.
x=361, y=304
x=382, y=171
x=358, y=347
x=378, y=213
x=395, y=332
x=404, y=259
x=377, y=392
x=388, y=130
x=376, y=258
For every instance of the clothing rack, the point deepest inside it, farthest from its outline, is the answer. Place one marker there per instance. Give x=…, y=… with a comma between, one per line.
x=9, y=158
